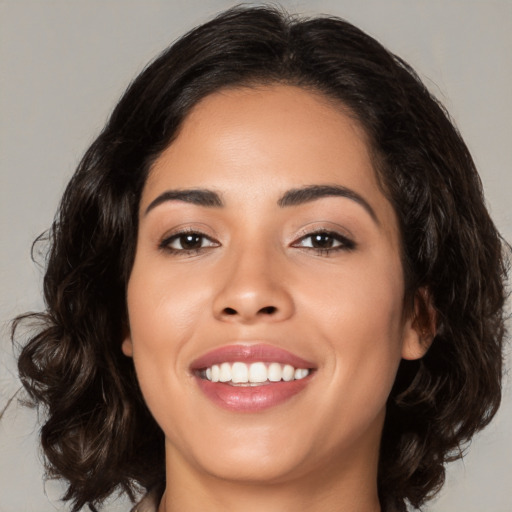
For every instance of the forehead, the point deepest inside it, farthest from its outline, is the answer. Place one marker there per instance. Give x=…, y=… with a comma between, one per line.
x=266, y=140
x=269, y=122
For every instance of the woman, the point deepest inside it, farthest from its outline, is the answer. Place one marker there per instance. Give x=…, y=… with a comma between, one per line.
x=272, y=282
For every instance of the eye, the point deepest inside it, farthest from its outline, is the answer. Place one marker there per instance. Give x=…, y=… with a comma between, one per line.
x=325, y=242
x=187, y=242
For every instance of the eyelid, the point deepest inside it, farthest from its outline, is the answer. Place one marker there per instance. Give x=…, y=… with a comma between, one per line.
x=165, y=241
x=342, y=239
x=177, y=236
x=323, y=226
x=188, y=227
x=346, y=239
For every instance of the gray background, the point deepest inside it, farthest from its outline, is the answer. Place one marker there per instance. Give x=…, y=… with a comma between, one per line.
x=63, y=65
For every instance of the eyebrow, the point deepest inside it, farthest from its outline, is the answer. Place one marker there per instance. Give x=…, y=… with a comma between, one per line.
x=198, y=196
x=298, y=196
x=293, y=197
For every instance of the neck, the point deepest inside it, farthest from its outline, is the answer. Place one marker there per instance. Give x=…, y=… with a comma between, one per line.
x=328, y=490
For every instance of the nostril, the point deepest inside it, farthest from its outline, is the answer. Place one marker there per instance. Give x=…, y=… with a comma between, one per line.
x=267, y=310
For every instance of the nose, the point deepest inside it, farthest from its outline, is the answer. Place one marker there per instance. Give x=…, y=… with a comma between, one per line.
x=253, y=289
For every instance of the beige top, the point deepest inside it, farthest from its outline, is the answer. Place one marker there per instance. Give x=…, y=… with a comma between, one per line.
x=150, y=504
x=147, y=504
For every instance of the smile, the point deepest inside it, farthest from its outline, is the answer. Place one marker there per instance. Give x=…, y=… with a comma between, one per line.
x=258, y=373
x=251, y=378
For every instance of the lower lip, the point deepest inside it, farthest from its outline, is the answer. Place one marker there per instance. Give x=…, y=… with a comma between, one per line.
x=251, y=398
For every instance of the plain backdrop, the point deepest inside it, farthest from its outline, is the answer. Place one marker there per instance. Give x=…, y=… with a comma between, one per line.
x=64, y=64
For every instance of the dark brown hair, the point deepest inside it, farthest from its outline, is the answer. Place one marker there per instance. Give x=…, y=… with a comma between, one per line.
x=98, y=433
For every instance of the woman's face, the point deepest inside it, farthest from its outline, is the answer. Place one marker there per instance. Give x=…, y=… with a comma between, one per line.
x=264, y=240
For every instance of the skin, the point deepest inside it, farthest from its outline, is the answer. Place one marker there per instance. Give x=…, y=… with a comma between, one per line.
x=257, y=278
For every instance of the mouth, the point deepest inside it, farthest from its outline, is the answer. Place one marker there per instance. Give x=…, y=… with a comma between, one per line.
x=254, y=374
x=251, y=378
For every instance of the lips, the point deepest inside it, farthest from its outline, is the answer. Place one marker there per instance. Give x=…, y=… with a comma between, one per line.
x=249, y=354
x=231, y=390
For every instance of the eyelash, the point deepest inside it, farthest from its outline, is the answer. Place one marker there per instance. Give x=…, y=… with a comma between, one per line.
x=345, y=244
x=165, y=244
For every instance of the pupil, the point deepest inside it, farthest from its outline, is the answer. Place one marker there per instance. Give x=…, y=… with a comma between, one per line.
x=191, y=241
x=322, y=241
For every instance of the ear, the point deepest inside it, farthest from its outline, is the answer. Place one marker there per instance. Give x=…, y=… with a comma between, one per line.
x=127, y=345
x=420, y=328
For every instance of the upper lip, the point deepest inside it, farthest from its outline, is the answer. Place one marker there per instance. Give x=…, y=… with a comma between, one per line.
x=249, y=353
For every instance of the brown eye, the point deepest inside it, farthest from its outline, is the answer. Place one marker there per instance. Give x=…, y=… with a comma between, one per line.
x=322, y=241
x=325, y=242
x=187, y=242
x=190, y=241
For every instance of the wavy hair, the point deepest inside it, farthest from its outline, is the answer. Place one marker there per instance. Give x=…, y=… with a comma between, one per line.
x=98, y=433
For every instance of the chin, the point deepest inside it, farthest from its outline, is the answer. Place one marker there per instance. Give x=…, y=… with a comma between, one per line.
x=252, y=466
x=245, y=454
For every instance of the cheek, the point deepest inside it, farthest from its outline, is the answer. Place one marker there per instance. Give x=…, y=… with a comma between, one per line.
x=360, y=318
x=164, y=306
x=164, y=311
x=362, y=300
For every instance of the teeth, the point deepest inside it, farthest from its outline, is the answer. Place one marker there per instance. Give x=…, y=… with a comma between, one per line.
x=239, y=373
x=255, y=373
x=288, y=372
x=225, y=372
x=300, y=373
x=275, y=372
